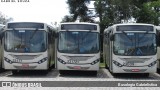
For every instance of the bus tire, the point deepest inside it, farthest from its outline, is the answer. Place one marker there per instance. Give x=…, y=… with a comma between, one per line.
x=49, y=63
x=14, y=72
x=106, y=66
x=145, y=74
x=158, y=70
x=53, y=66
x=45, y=71
x=62, y=72
x=94, y=73
x=115, y=74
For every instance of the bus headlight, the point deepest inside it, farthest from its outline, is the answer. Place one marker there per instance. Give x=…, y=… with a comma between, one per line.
x=7, y=60
x=152, y=64
x=94, y=62
x=61, y=61
x=117, y=63
x=42, y=60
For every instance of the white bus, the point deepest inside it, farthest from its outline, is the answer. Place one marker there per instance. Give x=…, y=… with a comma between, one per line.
x=130, y=48
x=78, y=47
x=29, y=46
x=1, y=50
x=158, y=47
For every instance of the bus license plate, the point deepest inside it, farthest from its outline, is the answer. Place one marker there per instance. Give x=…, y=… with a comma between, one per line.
x=25, y=65
x=73, y=61
x=77, y=67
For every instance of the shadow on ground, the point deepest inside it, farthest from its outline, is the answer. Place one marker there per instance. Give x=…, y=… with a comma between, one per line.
x=35, y=74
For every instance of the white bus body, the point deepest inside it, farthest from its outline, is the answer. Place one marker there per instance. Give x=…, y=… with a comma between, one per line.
x=29, y=46
x=130, y=48
x=1, y=50
x=78, y=47
x=158, y=47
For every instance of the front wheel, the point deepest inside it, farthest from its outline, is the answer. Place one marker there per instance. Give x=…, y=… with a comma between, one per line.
x=62, y=72
x=44, y=72
x=106, y=66
x=94, y=73
x=145, y=74
x=14, y=72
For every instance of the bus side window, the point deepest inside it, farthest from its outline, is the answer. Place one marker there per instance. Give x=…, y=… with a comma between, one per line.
x=111, y=36
x=158, y=38
x=107, y=39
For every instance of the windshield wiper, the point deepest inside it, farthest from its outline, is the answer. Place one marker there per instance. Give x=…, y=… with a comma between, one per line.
x=127, y=35
x=30, y=38
x=33, y=34
x=139, y=39
x=132, y=51
x=86, y=34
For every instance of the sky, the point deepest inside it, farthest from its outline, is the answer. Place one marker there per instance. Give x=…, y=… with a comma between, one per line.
x=48, y=11
x=35, y=10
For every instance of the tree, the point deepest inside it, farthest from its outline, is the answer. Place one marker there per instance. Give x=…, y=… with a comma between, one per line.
x=112, y=12
x=67, y=18
x=155, y=5
x=78, y=9
x=4, y=19
x=115, y=11
x=147, y=11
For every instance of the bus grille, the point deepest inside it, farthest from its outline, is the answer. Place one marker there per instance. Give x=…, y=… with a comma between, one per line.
x=26, y=57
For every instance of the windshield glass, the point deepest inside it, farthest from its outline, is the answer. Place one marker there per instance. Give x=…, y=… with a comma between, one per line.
x=135, y=44
x=78, y=42
x=22, y=41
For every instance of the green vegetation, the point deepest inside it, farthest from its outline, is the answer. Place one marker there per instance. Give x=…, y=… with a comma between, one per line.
x=4, y=19
x=114, y=11
x=102, y=65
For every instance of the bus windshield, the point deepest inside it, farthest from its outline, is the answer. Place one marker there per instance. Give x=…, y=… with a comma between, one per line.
x=135, y=44
x=78, y=42
x=22, y=41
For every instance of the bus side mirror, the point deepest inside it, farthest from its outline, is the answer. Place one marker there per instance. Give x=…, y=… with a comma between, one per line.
x=112, y=37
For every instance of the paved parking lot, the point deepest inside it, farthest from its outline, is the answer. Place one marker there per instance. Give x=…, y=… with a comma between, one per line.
x=79, y=80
